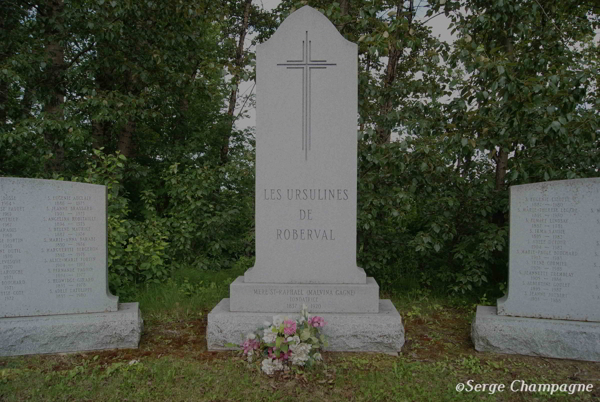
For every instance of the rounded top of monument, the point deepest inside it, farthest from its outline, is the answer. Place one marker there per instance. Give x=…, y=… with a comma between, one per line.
x=307, y=18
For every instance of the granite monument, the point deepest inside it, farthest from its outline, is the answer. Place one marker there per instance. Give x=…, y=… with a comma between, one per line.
x=53, y=269
x=552, y=307
x=306, y=192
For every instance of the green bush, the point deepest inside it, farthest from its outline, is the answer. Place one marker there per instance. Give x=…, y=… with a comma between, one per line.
x=422, y=221
x=137, y=249
x=210, y=214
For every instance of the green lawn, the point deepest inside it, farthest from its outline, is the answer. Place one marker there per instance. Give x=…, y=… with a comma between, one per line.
x=172, y=362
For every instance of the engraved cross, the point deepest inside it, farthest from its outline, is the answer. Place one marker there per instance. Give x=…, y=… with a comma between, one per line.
x=307, y=64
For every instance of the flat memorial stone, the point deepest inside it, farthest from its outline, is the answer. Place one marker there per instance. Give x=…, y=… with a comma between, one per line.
x=52, y=248
x=554, y=251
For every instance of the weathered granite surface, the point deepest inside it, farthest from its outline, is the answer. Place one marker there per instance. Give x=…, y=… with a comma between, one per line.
x=382, y=332
x=120, y=329
x=54, y=294
x=319, y=298
x=52, y=248
x=306, y=192
x=552, y=307
x=561, y=339
x=306, y=154
x=554, y=256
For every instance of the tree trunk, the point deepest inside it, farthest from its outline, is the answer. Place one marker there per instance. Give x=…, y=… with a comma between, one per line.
x=53, y=106
x=126, y=144
x=501, y=166
x=384, y=133
x=3, y=99
x=235, y=80
x=98, y=135
x=344, y=7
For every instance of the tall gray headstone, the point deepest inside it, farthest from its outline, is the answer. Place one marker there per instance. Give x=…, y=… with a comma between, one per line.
x=306, y=192
x=554, y=274
x=306, y=147
x=53, y=270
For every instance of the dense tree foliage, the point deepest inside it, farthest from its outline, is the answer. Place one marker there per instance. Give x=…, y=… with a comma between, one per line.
x=142, y=96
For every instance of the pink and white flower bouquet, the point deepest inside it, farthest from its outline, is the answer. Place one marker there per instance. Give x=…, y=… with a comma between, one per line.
x=286, y=342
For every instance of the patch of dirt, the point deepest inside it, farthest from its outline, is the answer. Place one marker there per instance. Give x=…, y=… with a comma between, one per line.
x=444, y=334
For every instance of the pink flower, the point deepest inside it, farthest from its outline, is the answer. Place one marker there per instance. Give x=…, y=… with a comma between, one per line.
x=289, y=327
x=250, y=344
x=281, y=355
x=317, y=321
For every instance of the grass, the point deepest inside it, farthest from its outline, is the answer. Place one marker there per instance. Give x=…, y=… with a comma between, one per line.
x=172, y=362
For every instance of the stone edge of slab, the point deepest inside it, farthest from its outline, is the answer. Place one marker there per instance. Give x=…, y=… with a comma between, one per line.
x=381, y=332
x=560, y=339
x=67, y=333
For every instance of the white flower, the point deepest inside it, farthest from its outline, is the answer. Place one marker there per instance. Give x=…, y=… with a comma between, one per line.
x=269, y=336
x=300, y=353
x=266, y=324
x=269, y=366
x=301, y=321
x=317, y=356
x=277, y=320
x=250, y=335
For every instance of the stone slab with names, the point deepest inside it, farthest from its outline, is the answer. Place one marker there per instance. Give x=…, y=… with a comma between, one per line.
x=53, y=270
x=306, y=186
x=554, y=274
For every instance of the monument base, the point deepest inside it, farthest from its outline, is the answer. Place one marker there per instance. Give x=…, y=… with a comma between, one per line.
x=121, y=329
x=381, y=332
x=560, y=339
